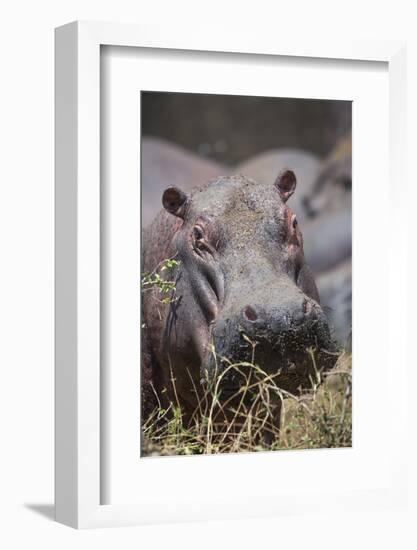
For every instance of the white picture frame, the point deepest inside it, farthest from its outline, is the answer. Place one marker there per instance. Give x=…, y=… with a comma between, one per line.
x=78, y=405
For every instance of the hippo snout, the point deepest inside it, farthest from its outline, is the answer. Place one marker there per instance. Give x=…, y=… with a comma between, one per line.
x=279, y=336
x=283, y=329
x=300, y=313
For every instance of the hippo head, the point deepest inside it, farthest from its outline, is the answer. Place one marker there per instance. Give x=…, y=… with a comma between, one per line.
x=332, y=188
x=243, y=281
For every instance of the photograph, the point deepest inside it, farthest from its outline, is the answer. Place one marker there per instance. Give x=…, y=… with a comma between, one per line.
x=246, y=273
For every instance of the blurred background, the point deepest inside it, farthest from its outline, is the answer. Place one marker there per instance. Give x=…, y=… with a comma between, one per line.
x=231, y=129
x=188, y=139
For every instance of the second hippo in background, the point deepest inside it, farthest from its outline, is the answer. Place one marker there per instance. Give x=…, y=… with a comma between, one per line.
x=328, y=236
x=328, y=239
x=335, y=288
x=332, y=188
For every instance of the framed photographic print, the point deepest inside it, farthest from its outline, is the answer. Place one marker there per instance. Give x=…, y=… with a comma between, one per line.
x=243, y=312
x=220, y=336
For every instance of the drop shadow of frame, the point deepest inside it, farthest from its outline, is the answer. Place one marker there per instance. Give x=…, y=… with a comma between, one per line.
x=45, y=510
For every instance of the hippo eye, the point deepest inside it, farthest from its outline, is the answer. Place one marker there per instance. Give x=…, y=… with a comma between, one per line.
x=197, y=233
x=294, y=222
x=201, y=244
x=293, y=236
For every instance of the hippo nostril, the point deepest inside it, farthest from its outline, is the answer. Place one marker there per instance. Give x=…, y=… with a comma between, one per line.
x=303, y=313
x=307, y=307
x=250, y=313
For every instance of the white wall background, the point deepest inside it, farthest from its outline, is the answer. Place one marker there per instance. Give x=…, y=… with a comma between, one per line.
x=26, y=273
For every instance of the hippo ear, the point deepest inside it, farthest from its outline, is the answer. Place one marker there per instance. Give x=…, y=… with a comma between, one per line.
x=286, y=183
x=175, y=200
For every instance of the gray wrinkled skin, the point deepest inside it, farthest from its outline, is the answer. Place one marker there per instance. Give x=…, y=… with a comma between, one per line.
x=242, y=271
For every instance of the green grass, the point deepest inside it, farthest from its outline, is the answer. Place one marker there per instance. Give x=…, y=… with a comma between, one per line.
x=320, y=417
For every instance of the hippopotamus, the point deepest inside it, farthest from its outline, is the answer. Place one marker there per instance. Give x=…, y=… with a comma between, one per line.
x=335, y=287
x=332, y=188
x=328, y=239
x=240, y=276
